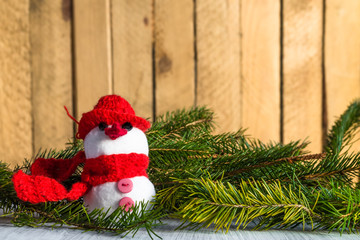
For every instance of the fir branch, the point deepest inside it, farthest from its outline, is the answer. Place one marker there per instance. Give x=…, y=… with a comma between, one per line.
x=278, y=161
x=205, y=202
x=74, y=214
x=344, y=129
x=260, y=206
x=338, y=207
x=333, y=173
x=255, y=160
x=341, y=168
x=184, y=123
x=220, y=179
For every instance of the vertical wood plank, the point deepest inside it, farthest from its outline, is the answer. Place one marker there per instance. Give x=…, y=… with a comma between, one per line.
x=302, y=74
x=174, y=55
x=218, y=54
x=92, y=35
x=260, y=65
x=342, y=56
x=132, y=53
x=50, y=37
x=15, y=82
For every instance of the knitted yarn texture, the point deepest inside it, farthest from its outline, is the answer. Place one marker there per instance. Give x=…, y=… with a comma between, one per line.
x=110, y=109
x=113, y=115
x=44, y=183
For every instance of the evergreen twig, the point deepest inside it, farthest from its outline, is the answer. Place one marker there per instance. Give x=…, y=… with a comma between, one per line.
x=226, y=179
x=290, y=160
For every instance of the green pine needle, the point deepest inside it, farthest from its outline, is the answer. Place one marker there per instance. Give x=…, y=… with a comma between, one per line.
x=222, y=181
x=344, y=129
x=206, y=202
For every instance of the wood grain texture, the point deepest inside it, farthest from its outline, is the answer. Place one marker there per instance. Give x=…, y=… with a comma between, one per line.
x=174, y=55
x=168, y=232
x=51, y=64
x=92, y=52
x=260, y=67
x=342, y=56
x=218, y=66
x=302, y=76
x=132, y=53
x=15, y=82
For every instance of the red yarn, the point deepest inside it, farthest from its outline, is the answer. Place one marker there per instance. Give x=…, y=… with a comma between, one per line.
x=36, y=189
x=110, y=109
x=44, y=183
x=47, y=174
x=71, y=117
x=115, y=131
x=112, y=168
x=58, y=169
x=78, y=190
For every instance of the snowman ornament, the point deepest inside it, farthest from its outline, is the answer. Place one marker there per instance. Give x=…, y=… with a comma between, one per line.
x=115, y=160
x=114, y=139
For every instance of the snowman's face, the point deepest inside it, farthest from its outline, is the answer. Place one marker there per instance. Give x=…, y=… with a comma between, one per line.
x=114, y=139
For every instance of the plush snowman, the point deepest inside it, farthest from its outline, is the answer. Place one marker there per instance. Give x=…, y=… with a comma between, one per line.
x=115, y=162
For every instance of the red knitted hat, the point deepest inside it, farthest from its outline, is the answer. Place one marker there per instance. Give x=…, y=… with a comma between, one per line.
x=110, y=109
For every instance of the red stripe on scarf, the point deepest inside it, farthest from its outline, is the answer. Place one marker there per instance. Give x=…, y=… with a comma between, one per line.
x=112, y=168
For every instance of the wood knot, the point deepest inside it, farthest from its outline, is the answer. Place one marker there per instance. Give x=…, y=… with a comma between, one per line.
x=164, y=64
x=146, y=21
x=66, y=10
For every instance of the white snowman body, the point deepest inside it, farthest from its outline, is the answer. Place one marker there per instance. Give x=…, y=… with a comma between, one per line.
x=111, y=194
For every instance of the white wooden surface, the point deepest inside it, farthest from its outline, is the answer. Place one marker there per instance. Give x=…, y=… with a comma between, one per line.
x=10, y=232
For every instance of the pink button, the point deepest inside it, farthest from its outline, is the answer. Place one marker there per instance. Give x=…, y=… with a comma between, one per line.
x=125, y=185
x=127, y=203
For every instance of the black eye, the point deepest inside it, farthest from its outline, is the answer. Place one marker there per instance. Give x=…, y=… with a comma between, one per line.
x=127, y=126
x=102, y=126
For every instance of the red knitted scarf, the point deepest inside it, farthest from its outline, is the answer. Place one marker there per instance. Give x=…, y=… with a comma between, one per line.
x=112, y=168
x=44, y=183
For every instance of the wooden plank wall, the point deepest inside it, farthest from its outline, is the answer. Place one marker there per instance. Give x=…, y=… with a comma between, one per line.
x=260, y=68
x=283, y=69
x=132, y=34
x=16, y=135
x=302, y=73
x=51, y=72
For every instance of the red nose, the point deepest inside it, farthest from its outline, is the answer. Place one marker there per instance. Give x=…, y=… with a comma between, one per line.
x=115, y=131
